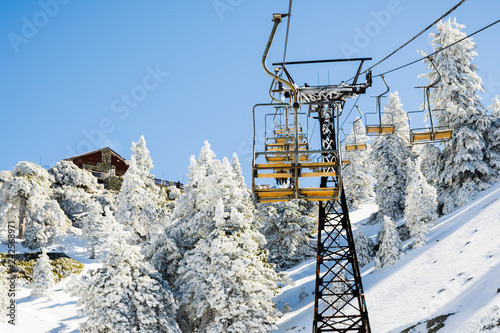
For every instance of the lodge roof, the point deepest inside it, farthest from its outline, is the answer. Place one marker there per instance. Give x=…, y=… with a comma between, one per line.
x=95, y=151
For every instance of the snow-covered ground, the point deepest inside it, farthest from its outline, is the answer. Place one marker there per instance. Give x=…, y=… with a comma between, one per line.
x=457, y=272
x=59, y=313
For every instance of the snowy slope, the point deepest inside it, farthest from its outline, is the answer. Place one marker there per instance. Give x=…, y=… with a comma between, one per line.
x=59, y=313
x=457, y=271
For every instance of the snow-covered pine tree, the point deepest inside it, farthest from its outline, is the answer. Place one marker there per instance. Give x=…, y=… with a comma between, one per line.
x=163, y=254
x=358, y=183
x=430, y=155
x=394, y=114
x=364, y=248
x=137, y=203
x=225, y=282
x=142, y=158
x=66, y=173
x=209, y=181
x=494, y=138
x=126, y=295
x=238, y=173
x=290, y=228
x=141, y=205
x=421, y=204
x=389, y=250
x=464, y=167
x=4, y=294
x=98, y=227
x=75, y=190
x=26, y=198
x=195, y=207
x=92, y=226
x=389, y=155
x=43, y=278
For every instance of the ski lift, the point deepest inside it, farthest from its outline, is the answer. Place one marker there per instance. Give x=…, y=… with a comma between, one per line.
x=433, y=133
x=357, y=143
x=380, y=128
x=283, y=165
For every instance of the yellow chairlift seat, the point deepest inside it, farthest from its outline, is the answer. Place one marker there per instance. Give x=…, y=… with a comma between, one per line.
x=290, y=138
x=360, y=146
x=309, y=165
x=284, y=151
x=287, y=130
x=346, y=162
x=285, y=194
x=429, y=135
x=380, y=129
x=287, y=157
x=281, y=145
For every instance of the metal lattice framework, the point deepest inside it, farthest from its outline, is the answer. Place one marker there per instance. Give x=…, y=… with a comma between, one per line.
x=339, y=300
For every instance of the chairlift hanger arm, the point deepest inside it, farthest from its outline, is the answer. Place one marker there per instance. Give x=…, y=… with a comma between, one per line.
x=277, y=18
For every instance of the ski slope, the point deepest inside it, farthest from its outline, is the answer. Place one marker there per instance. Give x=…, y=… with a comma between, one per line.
x=457, y=272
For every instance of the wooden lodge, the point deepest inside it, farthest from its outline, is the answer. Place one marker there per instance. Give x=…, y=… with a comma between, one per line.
x=109, y=167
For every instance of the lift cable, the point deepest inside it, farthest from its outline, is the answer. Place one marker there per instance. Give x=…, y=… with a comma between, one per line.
x=416, y=36
x=347, y=117
x=441, y=49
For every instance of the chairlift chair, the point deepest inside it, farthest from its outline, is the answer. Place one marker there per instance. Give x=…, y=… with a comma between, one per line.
x=358, y=143
x=433, y=133
x=380, y=128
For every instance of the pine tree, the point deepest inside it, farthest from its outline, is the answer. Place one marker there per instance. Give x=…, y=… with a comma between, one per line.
x=43, y=278
x=290, y=228
x=421, y=204
x=389, y=250
x=97, y=228
x=209, y=181
x=139, y=205
x=126, y=295
x=26, y=198
x=364, y=248
x=464, y=168
x=494, y=138
x=430, y=156
x=163, y=254
x=358, y=183
x=142, y=158
x=389, y=155
x=225, y=283
x=394, y=114
x=75, y=190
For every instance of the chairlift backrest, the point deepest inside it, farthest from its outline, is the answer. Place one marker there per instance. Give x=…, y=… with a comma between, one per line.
x=380, y=128
x=433, y=133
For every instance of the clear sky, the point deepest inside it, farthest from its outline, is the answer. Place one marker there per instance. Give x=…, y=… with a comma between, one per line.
x=81, y=75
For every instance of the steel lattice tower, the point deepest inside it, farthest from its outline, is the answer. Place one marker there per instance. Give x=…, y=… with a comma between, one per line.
x=339, y=300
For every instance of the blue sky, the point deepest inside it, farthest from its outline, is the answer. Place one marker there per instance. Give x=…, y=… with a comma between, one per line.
x=81, y=75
